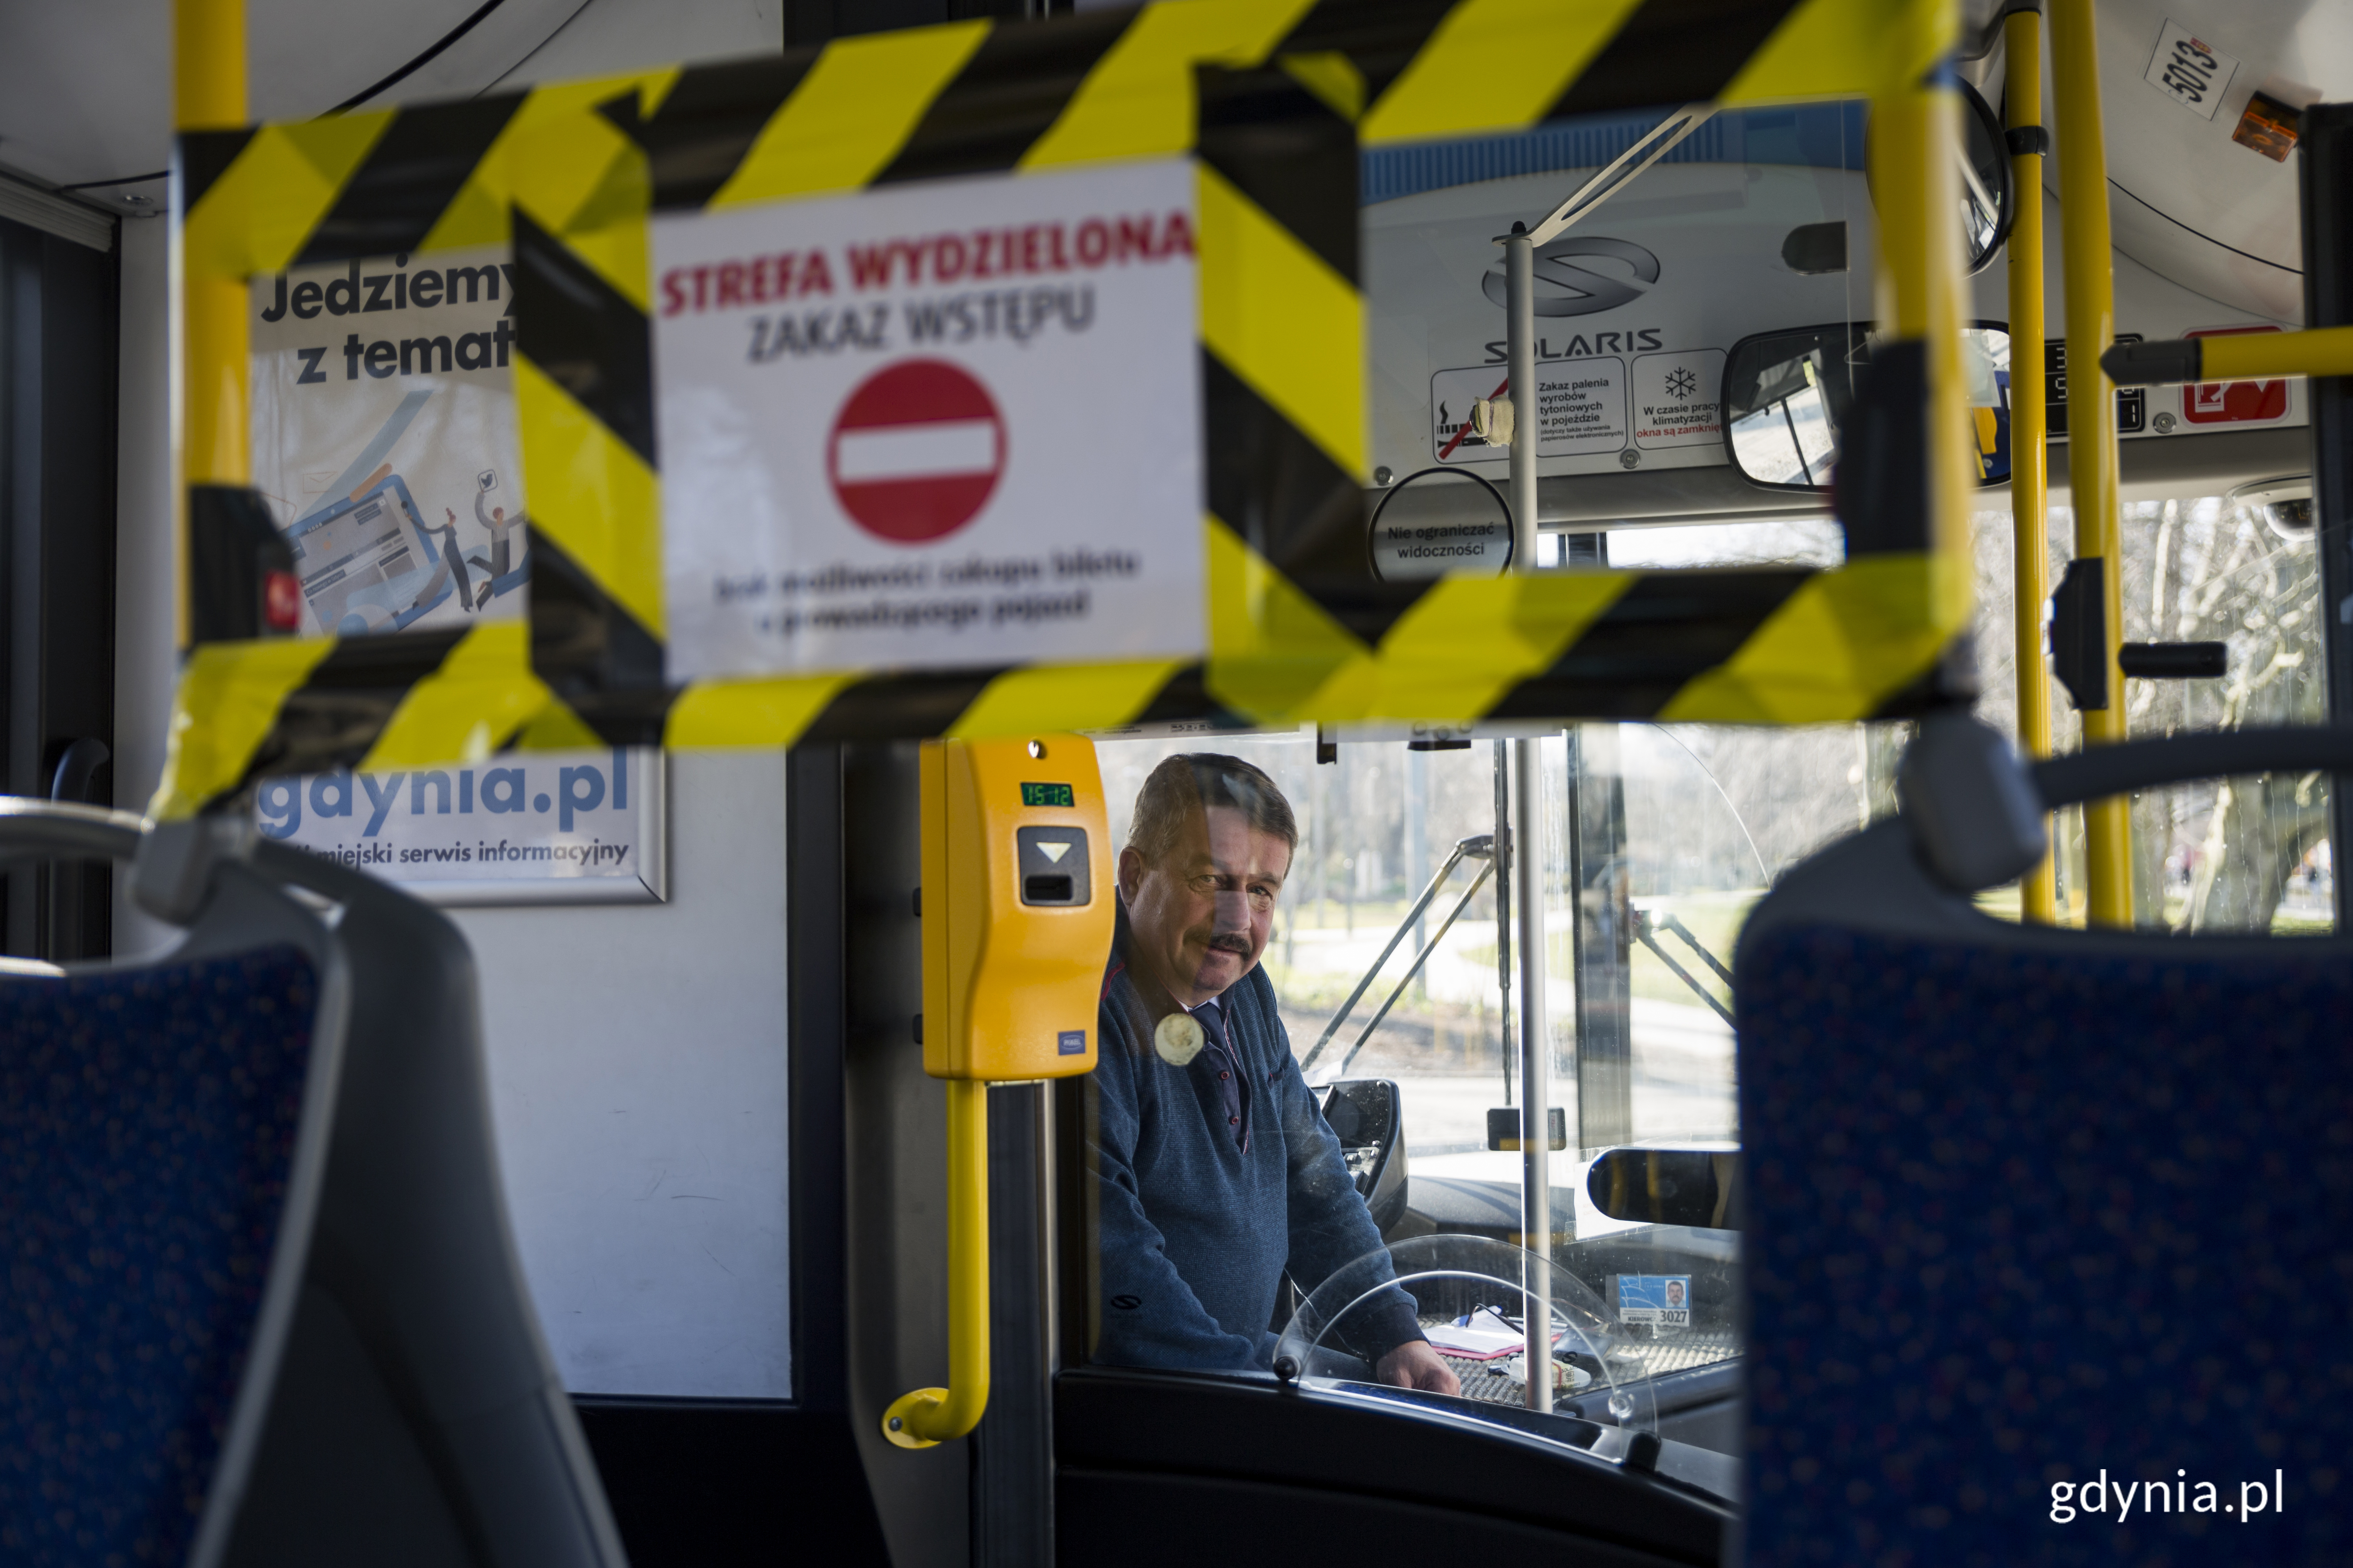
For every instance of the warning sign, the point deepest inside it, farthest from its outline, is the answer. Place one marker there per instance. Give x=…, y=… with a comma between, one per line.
x=1451, y=394
x=955, y=423
x=2233, y=402
x=917, y=451
x=1580, y=409
x=1676, y=399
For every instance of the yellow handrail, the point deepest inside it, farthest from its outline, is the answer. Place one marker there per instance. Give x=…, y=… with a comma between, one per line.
x=1915, y=164
x=214, y=447
x=2029, y=482
x=2092, y=460
x=934, y=1415
x=2232, y=356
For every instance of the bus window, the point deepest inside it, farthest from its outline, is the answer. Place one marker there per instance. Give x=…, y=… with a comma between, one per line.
x=1679, y=831
x=2217, y=855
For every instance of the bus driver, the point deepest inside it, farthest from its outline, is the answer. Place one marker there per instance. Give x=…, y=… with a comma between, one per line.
x=1213, y=1165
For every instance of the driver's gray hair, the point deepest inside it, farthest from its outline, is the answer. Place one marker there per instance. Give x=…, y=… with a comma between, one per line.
x=1183, y=788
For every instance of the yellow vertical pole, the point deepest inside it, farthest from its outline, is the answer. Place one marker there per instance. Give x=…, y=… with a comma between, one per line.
x=2092, y=462
x=967, y=1259
x=931, y=1416
x=208, y=84
x=2029, y=480
x=1914, y=151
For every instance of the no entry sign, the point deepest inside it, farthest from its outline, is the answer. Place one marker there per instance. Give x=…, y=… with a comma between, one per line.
x=917, y=451
x=933, y=425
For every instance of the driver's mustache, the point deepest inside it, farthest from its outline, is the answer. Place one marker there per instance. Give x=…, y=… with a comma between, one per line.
x=1231, y=942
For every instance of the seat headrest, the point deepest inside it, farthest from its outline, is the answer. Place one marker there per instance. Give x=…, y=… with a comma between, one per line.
x=1973, y=811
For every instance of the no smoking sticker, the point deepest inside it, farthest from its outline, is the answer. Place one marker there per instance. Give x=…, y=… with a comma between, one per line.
x=1580, y=409
x=939, y=424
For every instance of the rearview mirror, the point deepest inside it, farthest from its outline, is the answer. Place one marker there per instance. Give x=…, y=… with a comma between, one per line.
x=1788, y=395
x=1667, y=1186
x=1989, y=199
x=1988, y=194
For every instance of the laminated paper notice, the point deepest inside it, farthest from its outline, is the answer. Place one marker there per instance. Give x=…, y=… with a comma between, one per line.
x=955, y=423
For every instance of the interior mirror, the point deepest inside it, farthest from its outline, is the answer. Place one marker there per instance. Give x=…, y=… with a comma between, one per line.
x=1788, y=396
x=1667, y=1186
x=1985, y=376
x=1367, y=1116
x=1988, y=207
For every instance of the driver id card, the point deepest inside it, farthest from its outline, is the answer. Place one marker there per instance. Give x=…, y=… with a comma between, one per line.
x=1661, y=1300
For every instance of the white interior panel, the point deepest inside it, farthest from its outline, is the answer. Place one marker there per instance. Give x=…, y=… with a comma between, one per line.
x=638, y=1079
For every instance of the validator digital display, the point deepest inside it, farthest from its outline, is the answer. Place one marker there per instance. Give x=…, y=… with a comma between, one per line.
x=1048, y=794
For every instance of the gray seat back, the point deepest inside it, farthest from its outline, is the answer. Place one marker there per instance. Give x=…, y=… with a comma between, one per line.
x=164, y=1142
x=2038, y=1215
x=420, y=1420
x=397, y=1404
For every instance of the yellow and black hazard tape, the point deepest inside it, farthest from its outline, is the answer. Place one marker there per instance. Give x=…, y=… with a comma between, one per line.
x=1274, y=98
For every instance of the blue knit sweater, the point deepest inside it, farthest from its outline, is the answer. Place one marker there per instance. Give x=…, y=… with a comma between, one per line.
x=1196, y=1227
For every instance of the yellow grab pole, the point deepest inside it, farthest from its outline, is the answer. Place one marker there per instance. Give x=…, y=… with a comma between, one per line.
x=1915, y=153
x=931, y=1416
x=208, y=82
x=2030, y=480
x=1012, y=988
x=2261, y=356
x=2092, y=459
x=2233, y=356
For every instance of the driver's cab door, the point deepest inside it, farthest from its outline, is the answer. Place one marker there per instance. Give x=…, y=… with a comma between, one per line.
x=1313, y=1438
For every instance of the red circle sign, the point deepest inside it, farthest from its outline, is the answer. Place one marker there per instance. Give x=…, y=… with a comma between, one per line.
x=916, y=451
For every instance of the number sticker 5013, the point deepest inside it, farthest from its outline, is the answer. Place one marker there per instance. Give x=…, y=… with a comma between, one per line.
x=2190, y=70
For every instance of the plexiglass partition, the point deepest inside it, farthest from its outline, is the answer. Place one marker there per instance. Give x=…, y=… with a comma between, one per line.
x=1474, y=1300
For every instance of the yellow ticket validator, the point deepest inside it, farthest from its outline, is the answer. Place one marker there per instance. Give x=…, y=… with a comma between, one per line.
x=1017, y=907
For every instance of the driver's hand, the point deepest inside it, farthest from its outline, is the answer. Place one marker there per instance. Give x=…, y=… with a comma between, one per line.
x=1414, y=1365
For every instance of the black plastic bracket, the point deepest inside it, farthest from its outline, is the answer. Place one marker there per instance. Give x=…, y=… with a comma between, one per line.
x=1879, y=488
x=2027, y=141
x=233, y=547
x=2079, y=614
x=2079, y=633
x=2174, y=660
x=2154, y=364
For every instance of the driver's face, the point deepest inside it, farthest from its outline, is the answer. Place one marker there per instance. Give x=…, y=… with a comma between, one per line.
x=1201, y=917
